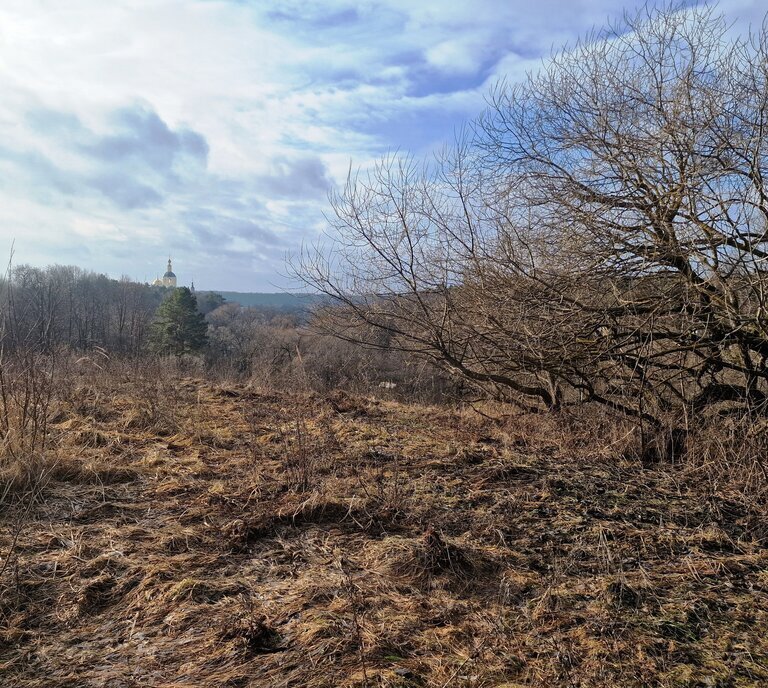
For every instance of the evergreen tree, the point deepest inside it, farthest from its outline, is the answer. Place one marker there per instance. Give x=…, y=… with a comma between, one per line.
x=179, y=328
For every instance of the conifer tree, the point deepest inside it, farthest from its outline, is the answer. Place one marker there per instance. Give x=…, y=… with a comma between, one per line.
x=179, y=328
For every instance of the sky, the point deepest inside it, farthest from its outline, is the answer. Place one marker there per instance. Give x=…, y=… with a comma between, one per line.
x=213, y=130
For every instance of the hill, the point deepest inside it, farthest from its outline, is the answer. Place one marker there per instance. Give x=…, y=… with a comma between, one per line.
x=279, y=301
x=190, y=534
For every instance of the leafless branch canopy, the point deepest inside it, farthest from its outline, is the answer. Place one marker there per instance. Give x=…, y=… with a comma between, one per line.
x=600, y=233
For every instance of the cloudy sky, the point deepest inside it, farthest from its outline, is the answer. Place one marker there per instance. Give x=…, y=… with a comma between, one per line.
x=212, y=130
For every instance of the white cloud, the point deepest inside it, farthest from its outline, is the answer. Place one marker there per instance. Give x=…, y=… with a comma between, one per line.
x=251, y=109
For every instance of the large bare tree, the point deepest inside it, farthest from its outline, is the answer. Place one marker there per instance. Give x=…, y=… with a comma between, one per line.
x=598, y=235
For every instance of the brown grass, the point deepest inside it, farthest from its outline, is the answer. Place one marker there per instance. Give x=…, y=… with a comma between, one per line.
x=224, y=536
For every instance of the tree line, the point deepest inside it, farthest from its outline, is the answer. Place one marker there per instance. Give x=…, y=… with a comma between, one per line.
x=47, y=310
x=66, y=306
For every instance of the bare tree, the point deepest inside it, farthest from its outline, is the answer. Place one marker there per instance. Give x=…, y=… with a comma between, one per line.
x=600, y=235
x=642, y=153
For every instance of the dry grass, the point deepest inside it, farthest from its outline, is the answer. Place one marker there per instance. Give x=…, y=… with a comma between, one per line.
x=193, y=535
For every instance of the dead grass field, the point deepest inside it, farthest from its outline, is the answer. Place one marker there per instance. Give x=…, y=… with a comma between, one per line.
x=228, y=537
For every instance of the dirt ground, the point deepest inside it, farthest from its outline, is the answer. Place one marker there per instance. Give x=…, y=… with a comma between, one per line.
x=223, y=536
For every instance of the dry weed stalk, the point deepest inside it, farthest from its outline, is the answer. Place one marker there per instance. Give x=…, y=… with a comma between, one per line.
x=26, y=395
x=355, y=603
x=27, y=392
x=383, y=487
x=300, y=454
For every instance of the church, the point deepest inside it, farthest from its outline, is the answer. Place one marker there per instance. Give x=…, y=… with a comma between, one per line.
x=168, y=279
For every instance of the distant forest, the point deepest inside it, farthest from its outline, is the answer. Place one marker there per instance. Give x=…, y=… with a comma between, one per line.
x=280, y=301
x=267, y=338
x=66, y=305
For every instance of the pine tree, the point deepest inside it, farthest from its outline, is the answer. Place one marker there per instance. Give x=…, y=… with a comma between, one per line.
x=179, y=328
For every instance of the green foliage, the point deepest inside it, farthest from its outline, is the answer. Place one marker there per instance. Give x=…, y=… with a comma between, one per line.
x=179, y=328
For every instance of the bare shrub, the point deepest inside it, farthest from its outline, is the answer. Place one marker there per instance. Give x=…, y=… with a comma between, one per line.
x=155, y=385
x=26, y=395
x=300, y=455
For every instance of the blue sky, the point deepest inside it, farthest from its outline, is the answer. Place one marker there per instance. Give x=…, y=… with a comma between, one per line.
x=212, y=130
